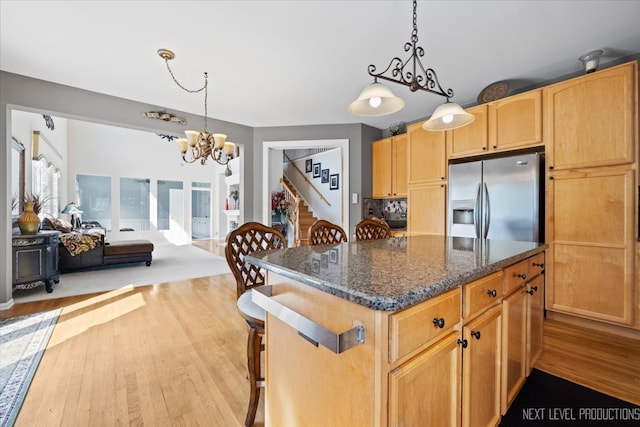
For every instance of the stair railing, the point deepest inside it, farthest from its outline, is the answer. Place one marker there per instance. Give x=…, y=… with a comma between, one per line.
x=313, y=187
x=293, y=200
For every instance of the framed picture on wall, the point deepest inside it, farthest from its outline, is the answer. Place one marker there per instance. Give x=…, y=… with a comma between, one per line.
x=334, y=181
x=316, y=170
x=308, y=166
x=325, y=175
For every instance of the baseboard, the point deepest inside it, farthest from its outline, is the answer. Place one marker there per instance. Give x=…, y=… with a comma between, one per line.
x=7, y=305
x=622, y=331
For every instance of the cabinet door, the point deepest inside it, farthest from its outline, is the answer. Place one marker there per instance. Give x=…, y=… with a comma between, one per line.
x=381, y=168
x=481, y=370
x=516, y=122
x=425, y=391
x=591, y=120
x=471, y=139
x=426, y=206
x=427, y=155
x=535, y=318
x=399, y=173
x=514, y=346
x=591, y=237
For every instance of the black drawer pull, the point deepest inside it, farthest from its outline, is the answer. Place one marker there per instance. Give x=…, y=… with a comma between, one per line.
x=439, y=322
x=523, y=276
x=492, y=293
x=463, y=343
x=475, y=334
x=532, y=290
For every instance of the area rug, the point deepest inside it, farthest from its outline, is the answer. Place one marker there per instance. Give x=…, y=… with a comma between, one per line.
x=170, y=263
x=22, y=343
x=547, y=400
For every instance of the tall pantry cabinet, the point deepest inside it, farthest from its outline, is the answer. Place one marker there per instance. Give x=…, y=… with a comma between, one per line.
x=591, y=133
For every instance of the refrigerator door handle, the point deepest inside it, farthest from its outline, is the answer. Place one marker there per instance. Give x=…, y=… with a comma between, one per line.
x=476, y=211
x=487, y=211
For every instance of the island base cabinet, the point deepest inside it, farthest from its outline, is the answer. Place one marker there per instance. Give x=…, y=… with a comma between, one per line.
x=425, y=391
x=309, y=385
x=514, y=346
x=481, y=370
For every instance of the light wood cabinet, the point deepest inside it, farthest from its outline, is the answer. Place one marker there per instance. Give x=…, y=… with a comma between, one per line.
x=481, y=370
x=427, y=155
x=514, y=350
x=592, y=120
x=389, y=170
x=516, y=121
x=507, y=124
x=535, y=319
x=426, y=206
x=591, y=237
x=522, y=316
x=426, y=390
x=472, y=139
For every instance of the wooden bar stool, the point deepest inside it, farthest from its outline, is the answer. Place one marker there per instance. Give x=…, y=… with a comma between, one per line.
x=249, y=238
x=371, y=229
x=324, y=232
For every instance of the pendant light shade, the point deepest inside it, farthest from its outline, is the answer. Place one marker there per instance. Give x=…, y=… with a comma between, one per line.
x=376, y=100
x=448, y=116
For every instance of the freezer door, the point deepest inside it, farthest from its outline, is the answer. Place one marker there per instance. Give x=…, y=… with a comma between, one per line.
x=511, y=198
x=464, y=217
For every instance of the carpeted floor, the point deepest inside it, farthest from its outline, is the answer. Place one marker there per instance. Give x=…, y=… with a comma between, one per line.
x=170, y=263
x=546, y=400
x=22, y=343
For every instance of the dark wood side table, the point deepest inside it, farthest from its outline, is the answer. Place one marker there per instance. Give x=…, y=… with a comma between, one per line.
x=35, y=260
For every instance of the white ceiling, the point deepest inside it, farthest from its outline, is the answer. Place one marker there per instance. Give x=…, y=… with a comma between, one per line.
x=284, y=63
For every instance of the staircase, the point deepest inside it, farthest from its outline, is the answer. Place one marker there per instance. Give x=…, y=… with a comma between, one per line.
x=304, y=215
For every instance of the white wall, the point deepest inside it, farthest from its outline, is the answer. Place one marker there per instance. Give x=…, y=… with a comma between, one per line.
x=331, y=160
x=97, y=149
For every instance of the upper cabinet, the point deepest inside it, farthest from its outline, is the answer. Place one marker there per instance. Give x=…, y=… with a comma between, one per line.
x=427, y=155
x=473, y=138
x=591, y=120
x=390, y=167
x=507, y=124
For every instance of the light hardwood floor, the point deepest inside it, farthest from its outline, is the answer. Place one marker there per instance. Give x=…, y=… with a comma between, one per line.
x=175, y=354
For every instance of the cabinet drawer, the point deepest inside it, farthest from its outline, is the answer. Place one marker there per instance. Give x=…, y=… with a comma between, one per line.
x=481, y=294
x=416, y=326
x=516, y=276
x=536, y=265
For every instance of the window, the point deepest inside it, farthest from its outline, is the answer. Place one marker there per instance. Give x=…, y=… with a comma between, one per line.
x=94, y=198
x=44, y=182
x=134, y=204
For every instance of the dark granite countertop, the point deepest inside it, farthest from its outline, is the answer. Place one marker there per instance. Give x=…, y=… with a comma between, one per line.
x=395, y=273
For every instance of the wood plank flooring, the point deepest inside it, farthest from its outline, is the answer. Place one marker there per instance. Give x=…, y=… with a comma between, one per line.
x=175, y=354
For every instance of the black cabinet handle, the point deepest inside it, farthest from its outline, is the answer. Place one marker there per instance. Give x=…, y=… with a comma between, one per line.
x=522, y=276
x=532, y=290
x=550, y=167
x=439, y=322
x=492, y=293
x=475, y=334
x=538, y=264
x=463, y=343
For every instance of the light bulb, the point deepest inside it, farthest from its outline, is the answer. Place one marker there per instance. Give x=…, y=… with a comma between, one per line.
x=375, y=101
x=447, y=118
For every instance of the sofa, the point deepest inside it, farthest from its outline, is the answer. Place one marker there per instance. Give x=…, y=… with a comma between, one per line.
x=87, y=248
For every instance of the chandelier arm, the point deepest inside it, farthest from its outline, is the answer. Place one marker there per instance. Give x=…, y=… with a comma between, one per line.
x=411, y=72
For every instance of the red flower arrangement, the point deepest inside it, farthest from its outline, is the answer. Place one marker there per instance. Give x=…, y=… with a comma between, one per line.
x=279, y=205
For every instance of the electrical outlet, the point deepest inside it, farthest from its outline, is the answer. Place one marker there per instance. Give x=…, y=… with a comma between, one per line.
x=354, y=198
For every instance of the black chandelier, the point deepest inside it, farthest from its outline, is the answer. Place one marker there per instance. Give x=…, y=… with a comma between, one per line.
x=378, y=100
x=200, y=145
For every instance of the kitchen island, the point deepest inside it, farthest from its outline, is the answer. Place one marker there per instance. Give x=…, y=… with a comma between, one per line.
x=372, y=333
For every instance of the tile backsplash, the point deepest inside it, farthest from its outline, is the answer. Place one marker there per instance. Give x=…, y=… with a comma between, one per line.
x=394, y=209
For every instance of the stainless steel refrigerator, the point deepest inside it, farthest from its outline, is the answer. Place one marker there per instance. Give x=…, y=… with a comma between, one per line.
x=499, y=198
